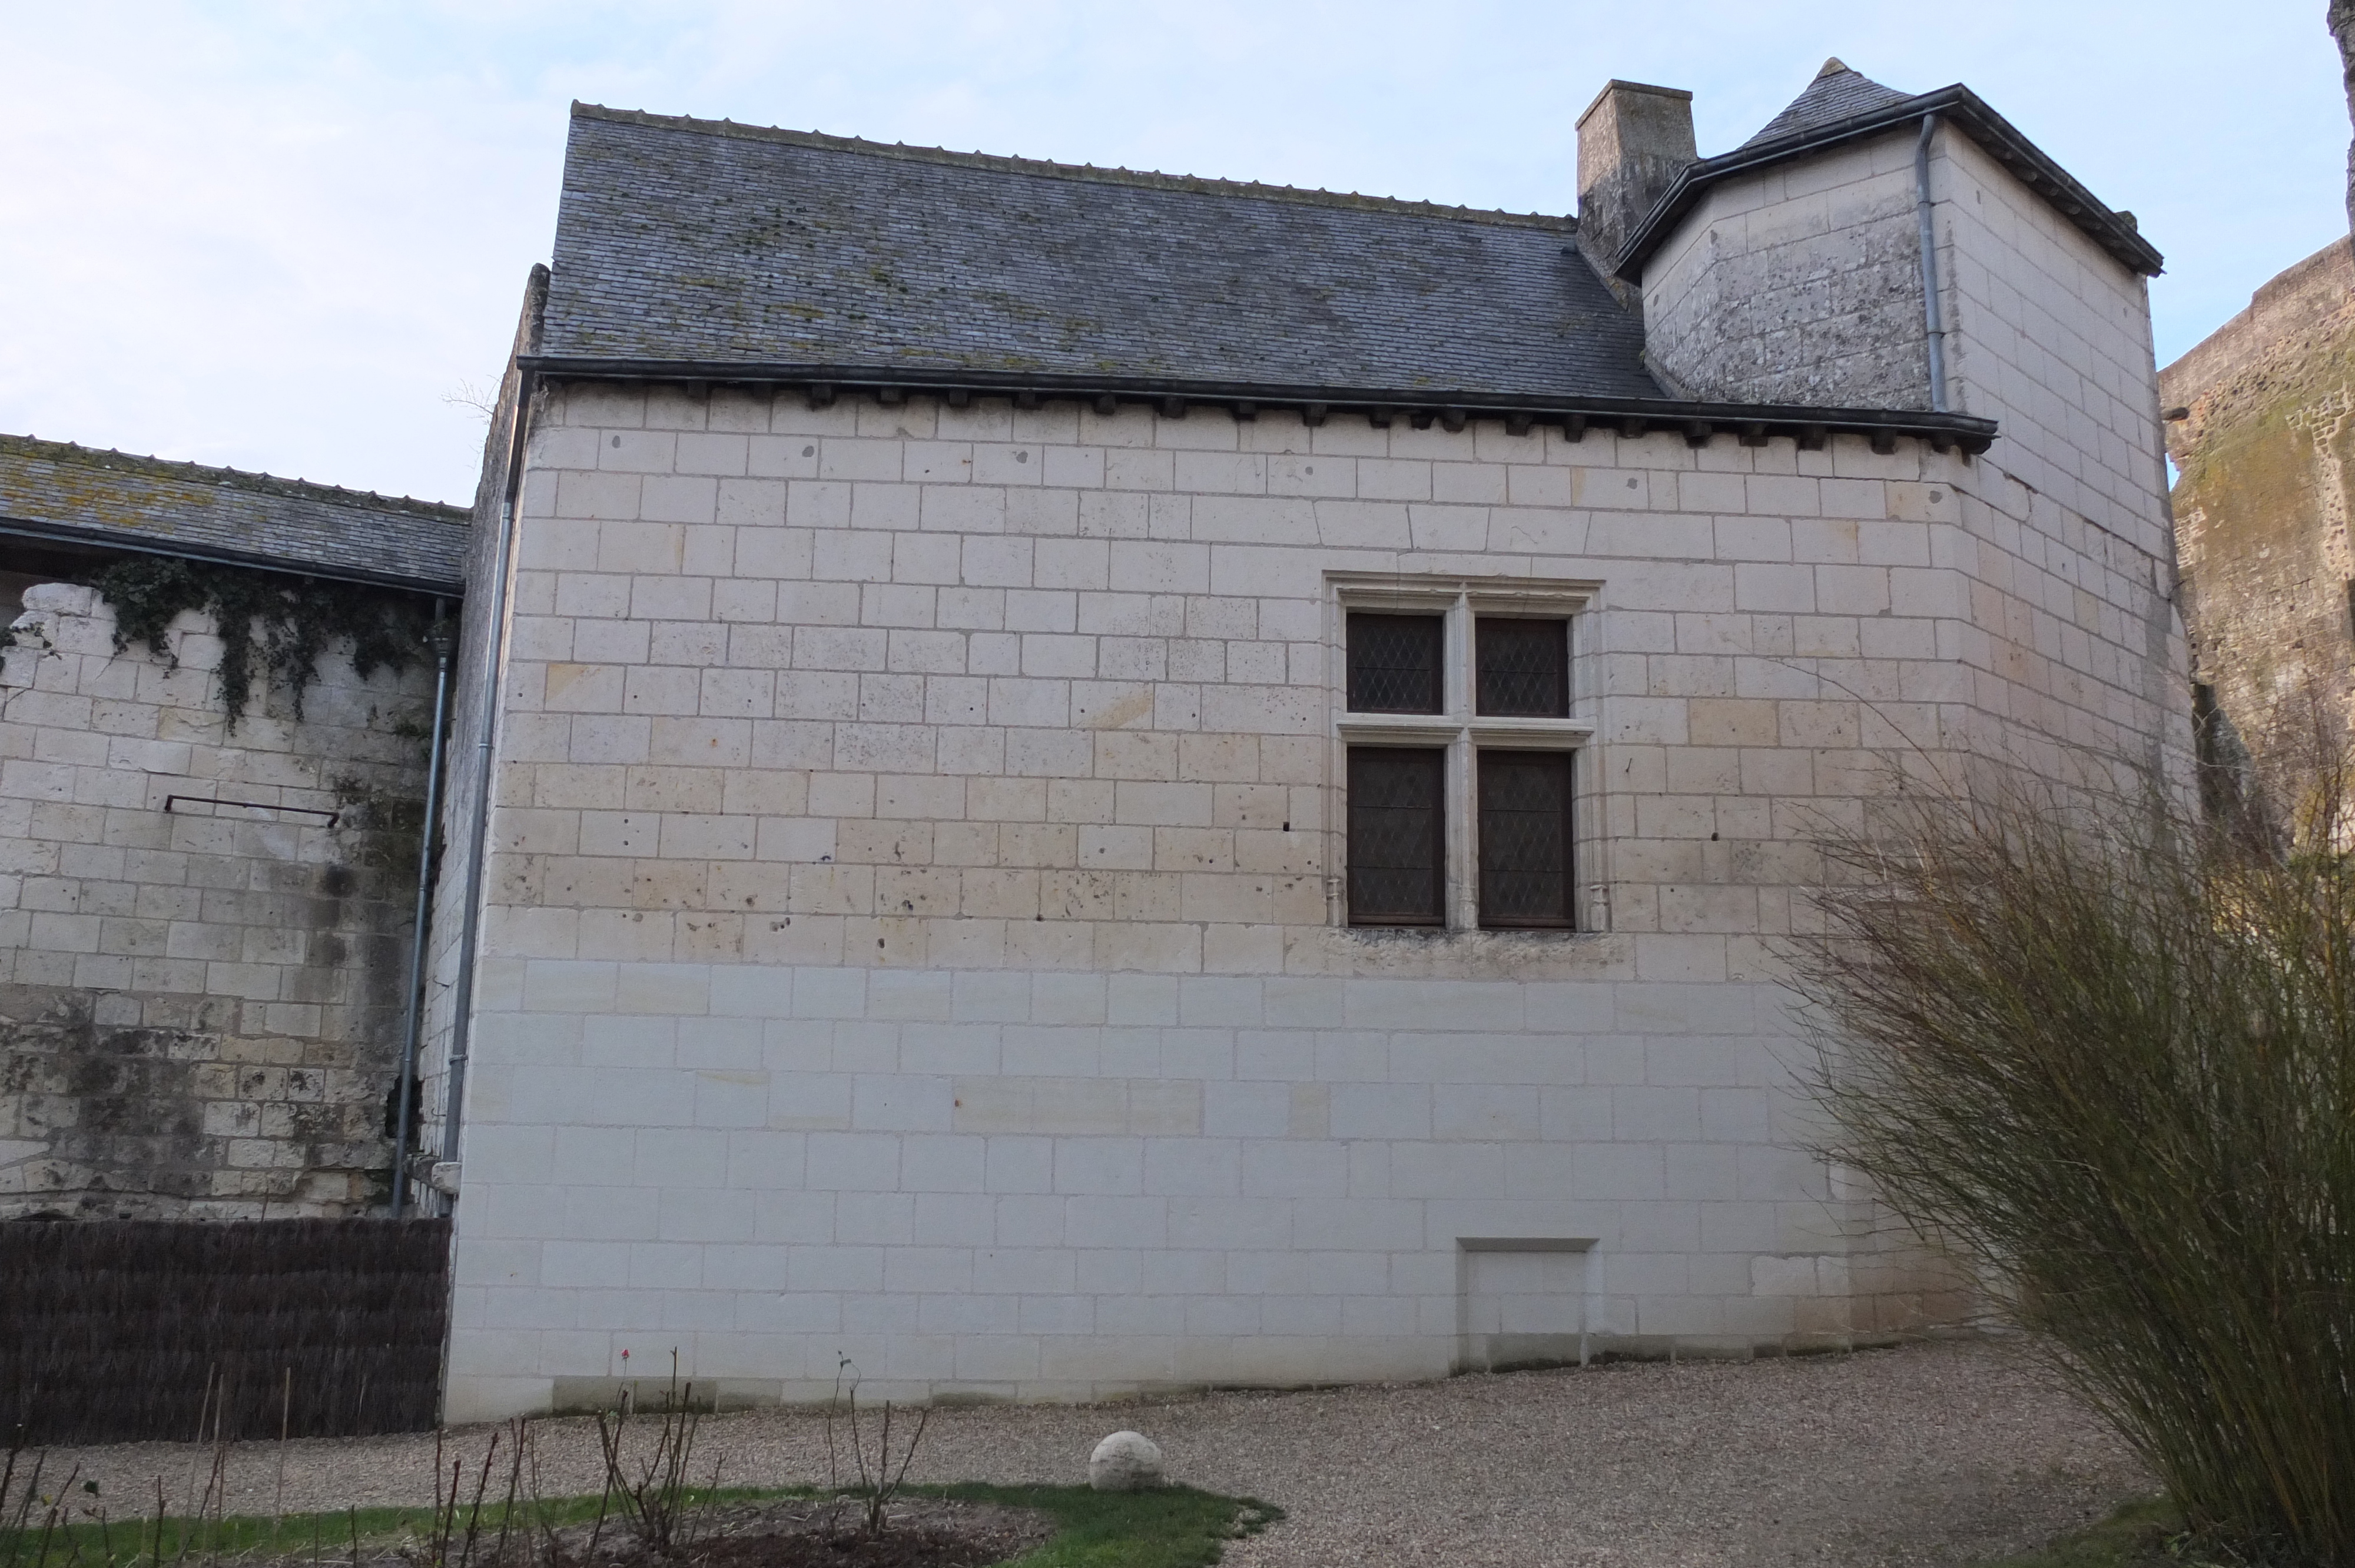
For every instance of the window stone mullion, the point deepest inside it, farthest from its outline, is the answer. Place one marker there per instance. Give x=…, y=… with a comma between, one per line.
x=1462, y=804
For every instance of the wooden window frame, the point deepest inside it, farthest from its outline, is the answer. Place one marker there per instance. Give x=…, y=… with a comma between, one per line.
x=1459, y=728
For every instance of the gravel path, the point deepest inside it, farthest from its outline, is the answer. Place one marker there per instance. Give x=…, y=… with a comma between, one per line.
x=1934, y=1454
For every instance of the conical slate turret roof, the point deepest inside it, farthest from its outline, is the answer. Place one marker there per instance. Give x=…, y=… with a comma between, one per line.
x=1838, y=93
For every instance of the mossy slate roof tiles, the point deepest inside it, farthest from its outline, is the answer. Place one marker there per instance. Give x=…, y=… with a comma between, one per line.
x=151, y=504
x=685, y=241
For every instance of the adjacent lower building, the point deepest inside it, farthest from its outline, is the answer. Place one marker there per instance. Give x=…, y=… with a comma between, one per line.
x=209, y=863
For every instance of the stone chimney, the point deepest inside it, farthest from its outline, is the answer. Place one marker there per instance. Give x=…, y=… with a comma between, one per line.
x=1632, y=140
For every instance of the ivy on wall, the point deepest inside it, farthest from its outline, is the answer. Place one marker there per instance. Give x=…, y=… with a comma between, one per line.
x=272, y=627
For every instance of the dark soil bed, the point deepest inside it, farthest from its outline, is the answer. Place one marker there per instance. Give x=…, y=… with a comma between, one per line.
x=920, y=1533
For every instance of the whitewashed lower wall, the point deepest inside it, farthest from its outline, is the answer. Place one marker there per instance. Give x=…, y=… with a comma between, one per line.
x=1065, y=1185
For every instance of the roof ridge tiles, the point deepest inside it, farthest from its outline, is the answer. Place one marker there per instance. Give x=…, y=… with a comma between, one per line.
x=1044, y=168
x=255, y=480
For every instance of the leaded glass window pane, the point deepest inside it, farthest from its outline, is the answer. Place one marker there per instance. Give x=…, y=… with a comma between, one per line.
x=1525, y=838
x=1524, y=666
x=1397, y=854
x=1394, y=663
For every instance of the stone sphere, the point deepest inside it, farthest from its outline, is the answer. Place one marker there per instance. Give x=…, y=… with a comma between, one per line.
x=1124, y=1462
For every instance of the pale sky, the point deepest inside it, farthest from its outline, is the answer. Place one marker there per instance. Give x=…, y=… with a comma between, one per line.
x=282, y=236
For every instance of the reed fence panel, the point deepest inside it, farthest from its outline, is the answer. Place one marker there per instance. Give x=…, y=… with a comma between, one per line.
x=128, y=1330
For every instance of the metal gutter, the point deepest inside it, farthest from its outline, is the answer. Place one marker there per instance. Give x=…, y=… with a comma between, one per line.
x=1575, y=415
x=1995, y=135
x=142, y=544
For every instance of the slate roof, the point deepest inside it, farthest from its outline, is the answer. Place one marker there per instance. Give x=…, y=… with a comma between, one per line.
x=59, y=491
x=688, y=242
x=1838, y=93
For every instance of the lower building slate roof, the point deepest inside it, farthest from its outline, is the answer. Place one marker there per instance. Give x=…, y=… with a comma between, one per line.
x=693, y=243
x=57, y=491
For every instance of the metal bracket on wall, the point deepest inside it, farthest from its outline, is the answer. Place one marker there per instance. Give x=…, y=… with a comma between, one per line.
x=178, y=805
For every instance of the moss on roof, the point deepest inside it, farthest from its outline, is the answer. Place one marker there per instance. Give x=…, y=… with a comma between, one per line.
x=98, y=496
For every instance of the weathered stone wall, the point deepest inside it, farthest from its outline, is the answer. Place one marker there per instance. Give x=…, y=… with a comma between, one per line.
x=201, y=1001
x=1799, y=284
x=2265, y=451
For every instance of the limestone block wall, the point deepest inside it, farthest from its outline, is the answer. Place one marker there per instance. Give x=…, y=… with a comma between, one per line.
x=200, y=978
x=2266, y=453
x=1801, y=283
x=914, y=925
x=2050, y=336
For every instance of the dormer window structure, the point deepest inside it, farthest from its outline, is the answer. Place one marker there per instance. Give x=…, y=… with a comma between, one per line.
x=1461, y=759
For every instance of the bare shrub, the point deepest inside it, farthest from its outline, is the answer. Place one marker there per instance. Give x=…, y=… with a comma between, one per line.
x=2107, y=1048
x=655, y=1499
x=449, y=1540
x=877, y=1482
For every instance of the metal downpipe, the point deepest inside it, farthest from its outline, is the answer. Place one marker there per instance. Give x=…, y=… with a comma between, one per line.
x=1932, y=317
x=462, y=1023
x=406, y=1118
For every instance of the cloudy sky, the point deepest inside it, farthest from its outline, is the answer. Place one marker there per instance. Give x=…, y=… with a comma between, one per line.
x=291, y=236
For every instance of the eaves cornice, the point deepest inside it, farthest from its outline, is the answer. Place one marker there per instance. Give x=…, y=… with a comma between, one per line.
x=1698, y=421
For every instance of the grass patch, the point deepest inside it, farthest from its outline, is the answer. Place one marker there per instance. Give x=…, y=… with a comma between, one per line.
x=127, y=1542
x=2145, y=1534
x=131, y=1542
x=1175, y=1527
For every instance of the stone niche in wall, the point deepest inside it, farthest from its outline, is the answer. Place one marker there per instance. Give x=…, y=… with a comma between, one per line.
x=203, y=928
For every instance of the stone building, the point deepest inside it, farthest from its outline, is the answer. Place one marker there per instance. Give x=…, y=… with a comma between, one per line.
x=2258, y=424
x=204, y=920
x=1101, y=780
